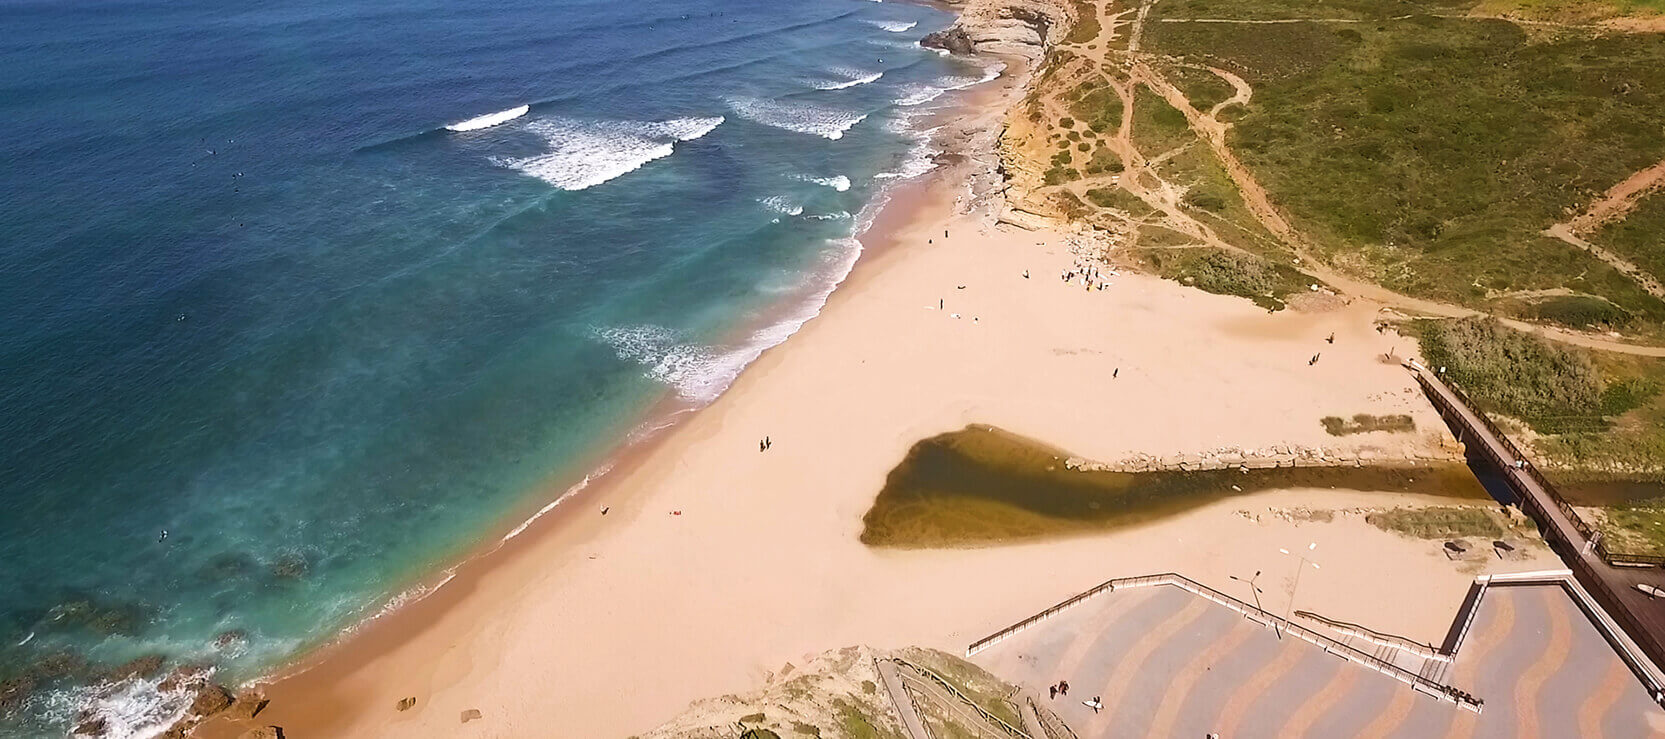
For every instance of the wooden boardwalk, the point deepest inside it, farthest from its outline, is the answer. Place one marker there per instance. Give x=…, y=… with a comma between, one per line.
x=1641, y=616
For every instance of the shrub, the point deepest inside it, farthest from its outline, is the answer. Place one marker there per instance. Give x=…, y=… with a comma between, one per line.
x=1514, y=372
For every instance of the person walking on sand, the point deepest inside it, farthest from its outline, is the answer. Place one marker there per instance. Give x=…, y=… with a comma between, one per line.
x=1116, y=373
x=1063, y=687
x=939, y=303
x=1052, y=691
x=761, y=446
x=768, y=443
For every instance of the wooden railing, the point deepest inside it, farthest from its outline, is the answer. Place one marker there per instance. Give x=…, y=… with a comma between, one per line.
x=981, y=711
x=1526, y=467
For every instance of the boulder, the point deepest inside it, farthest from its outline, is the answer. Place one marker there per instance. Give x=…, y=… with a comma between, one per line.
x=95, y=726
x=471, y=714
x=953, y=39
x=211, y=699
x=247, y=705
x=405, y=704
x=264, y=732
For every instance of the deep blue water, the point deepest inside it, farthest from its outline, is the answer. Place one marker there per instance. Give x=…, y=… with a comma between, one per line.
x=253, y=293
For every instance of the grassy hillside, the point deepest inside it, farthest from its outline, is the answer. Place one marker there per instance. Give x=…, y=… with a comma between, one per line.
x=1429, y=152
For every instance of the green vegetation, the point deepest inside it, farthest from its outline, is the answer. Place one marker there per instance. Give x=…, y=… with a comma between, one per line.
x=1640, y=237
x=1634, y=528
x=855, y=723
x=974, y=682
x=1439, y=522
x=1578, y=311
x=1098, y=106
x=1600, y=411
x=1203, y=88
x=1228, y=273
x=982, y=486
x=1157, y=126
x=1086, y=26
x=1119, y=199
x=1551, y=387
x=1104, y=161
x=1431, y=151
x=1365, y=423
x=1061, y=170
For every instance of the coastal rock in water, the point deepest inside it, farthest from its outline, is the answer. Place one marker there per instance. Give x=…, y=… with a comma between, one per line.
x=289, y=567
x=14, y=690
x=142, y=667
x=57, y=665
x=184, y=677
x=95, y=726
x=952, y=39
x=230, y=638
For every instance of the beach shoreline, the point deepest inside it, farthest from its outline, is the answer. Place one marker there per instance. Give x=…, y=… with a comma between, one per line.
x=563, y=512
x=715, y=563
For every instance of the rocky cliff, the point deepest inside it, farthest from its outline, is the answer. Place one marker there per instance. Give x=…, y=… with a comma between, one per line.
x=1016, y=27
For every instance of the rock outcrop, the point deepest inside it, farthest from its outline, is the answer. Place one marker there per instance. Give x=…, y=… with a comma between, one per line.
x=1016, y=27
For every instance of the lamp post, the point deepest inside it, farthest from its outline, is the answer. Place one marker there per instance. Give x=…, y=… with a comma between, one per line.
x=1255, y=588
x=1290, y=611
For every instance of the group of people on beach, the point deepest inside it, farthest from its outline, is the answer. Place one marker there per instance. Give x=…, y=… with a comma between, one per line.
x=1063, y=688
x=764, y=443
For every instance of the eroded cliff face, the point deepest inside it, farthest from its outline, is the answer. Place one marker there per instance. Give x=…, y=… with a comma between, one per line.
x=1015, y=27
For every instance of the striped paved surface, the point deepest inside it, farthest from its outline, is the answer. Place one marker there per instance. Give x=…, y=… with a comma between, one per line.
x=1168, y=663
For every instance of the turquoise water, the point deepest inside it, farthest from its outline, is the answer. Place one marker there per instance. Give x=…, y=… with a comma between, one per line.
x=255, y=293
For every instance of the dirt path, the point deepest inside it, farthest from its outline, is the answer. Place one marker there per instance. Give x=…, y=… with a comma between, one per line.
x=1613, y=205
x=1164, y=197
x=1618, y=200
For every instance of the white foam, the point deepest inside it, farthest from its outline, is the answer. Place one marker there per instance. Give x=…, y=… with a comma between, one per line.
x=848, y=78
x=921, y=158
x=490, y=119
x=697, y=372
x=584, y=154
x=840, y=215
x=828, y=123
x=917, y=94
x=893, y=26
x=836, y=182
x=135, y=708
x=550, y=506
x=782, y=205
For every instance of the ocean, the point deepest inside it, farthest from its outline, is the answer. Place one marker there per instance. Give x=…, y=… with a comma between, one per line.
x=299, y=303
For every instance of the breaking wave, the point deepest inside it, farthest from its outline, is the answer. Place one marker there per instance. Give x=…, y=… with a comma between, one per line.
x=583, y=154
x=847, y=78
x=490, y=119
x=828, y=123
x=782, y=205
x=836, y=182
x=893, y=26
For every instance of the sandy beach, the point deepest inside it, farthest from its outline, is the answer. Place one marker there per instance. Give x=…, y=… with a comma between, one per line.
x=717, y=563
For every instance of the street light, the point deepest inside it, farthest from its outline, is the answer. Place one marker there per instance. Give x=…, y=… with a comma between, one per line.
x=1255, y=588
x=1297, y=586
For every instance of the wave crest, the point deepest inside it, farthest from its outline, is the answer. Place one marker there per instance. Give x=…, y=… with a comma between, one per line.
x=583, y=154
x=828, y=123
x=490, y=119
x=893, y=26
